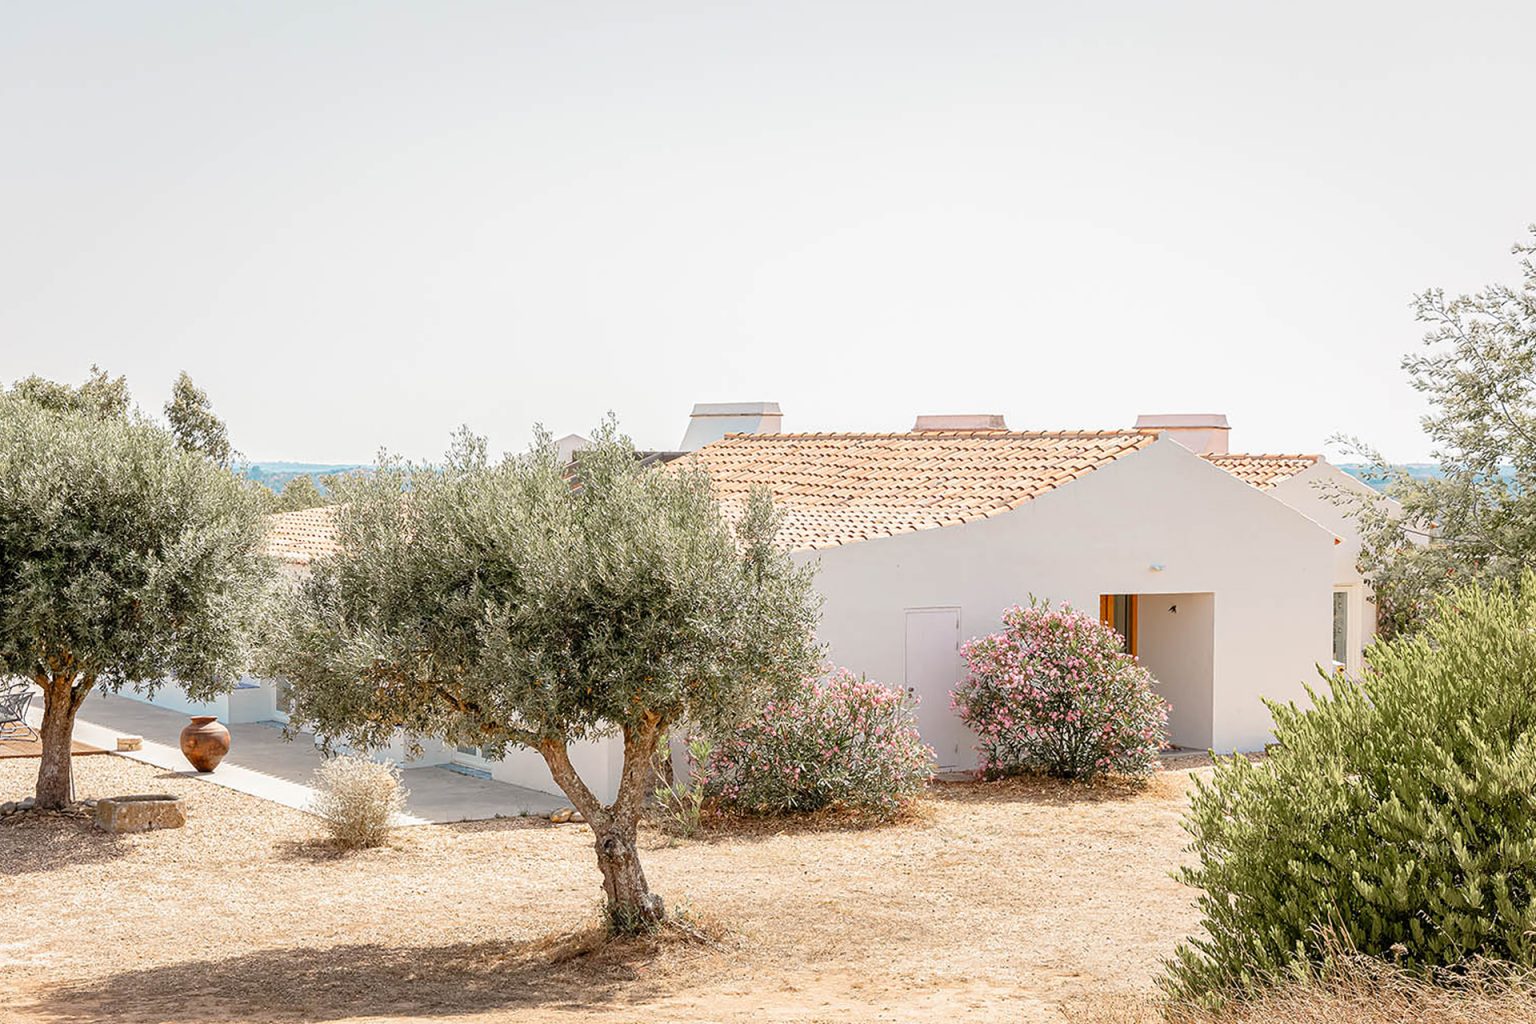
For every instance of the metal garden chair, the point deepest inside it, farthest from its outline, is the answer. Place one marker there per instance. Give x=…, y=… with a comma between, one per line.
x=15, y=696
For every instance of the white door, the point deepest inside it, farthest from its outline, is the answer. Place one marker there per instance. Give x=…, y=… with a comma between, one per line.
x=934, y=668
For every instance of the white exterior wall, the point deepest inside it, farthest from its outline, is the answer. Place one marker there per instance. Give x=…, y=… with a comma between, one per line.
x=598, y=762
x=1269, y=568
x=1253, y=569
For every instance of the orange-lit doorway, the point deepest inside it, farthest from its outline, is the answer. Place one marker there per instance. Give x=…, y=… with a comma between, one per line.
x=1119, y=612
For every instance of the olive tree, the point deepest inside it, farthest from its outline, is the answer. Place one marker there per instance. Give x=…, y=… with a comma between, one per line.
x=1476, y=521
x=124, y=560
x=518, y=603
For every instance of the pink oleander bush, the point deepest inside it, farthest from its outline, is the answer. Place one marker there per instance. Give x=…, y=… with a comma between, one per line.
x=839, y=741
x=1054, y=694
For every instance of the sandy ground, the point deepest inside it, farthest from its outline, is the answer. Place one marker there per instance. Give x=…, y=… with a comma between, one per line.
x=993, y=903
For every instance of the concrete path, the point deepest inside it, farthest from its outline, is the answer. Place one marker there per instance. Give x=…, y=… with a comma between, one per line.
x=264, y=764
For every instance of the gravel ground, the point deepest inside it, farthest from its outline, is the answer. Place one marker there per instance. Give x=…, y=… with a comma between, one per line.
x=993, y=902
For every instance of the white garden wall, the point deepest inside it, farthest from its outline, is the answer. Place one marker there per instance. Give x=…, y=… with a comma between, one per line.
x=598, y=762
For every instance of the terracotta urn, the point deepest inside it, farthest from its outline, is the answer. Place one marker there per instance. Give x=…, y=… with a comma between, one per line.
x=205, y=742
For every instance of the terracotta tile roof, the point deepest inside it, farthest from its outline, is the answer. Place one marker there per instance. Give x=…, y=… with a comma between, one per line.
x=835, y=489
x=1263, y=471
x=300, y=537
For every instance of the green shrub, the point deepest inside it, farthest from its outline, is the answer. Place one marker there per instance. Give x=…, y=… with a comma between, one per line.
x=842, y=741
x=680, y=803
x=1054, y=693
x=1397, y=816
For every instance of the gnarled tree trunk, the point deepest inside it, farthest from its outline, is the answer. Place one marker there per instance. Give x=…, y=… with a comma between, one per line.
x=62, y=697
x=631, y=904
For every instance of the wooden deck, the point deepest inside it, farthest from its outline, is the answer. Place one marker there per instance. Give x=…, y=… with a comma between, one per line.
x=25, y=746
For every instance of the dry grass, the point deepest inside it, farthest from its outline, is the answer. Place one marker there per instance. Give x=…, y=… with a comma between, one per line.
x=992, y=902
x=1358, y=990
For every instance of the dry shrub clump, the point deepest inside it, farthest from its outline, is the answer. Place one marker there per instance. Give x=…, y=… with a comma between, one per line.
x=1353, y=989
x=358, y=800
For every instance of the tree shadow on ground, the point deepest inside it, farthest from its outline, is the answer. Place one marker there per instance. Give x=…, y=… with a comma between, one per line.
x=38, y=843
x=735, y=828
x=316, y=850
x=510, y=823
x=365, y=981
x=1060, y=792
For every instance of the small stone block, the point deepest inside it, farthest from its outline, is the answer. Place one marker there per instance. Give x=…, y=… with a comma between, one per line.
x=140, y=813
x=130, y=743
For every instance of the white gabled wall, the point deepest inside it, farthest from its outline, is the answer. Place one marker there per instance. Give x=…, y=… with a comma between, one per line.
x=1314, y=493
x=1269, y=568
x=1311, y=492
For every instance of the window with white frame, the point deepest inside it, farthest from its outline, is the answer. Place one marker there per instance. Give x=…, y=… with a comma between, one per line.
x=1341, y=627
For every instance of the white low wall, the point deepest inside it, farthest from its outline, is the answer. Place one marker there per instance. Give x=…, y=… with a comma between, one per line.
x=599, y=762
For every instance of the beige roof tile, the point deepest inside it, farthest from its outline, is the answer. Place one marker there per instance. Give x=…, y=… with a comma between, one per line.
x=1263, y=471
x=301, y=537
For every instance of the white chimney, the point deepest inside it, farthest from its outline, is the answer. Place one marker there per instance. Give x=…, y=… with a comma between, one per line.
x=963, y=421
x=1200, y=432
x=713, y=420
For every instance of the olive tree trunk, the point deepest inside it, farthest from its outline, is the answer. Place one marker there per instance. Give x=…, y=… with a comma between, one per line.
x=62, y=697
x=631, y=905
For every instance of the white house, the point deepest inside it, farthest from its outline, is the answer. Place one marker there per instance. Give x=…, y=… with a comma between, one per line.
x=1231, y=576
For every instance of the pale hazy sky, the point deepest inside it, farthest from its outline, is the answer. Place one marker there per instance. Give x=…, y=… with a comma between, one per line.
x=360, y=225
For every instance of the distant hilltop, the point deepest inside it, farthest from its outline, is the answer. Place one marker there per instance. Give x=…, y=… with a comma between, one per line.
x=275, y=475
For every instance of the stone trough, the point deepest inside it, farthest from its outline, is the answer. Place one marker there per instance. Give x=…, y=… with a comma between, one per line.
x=140, y=813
